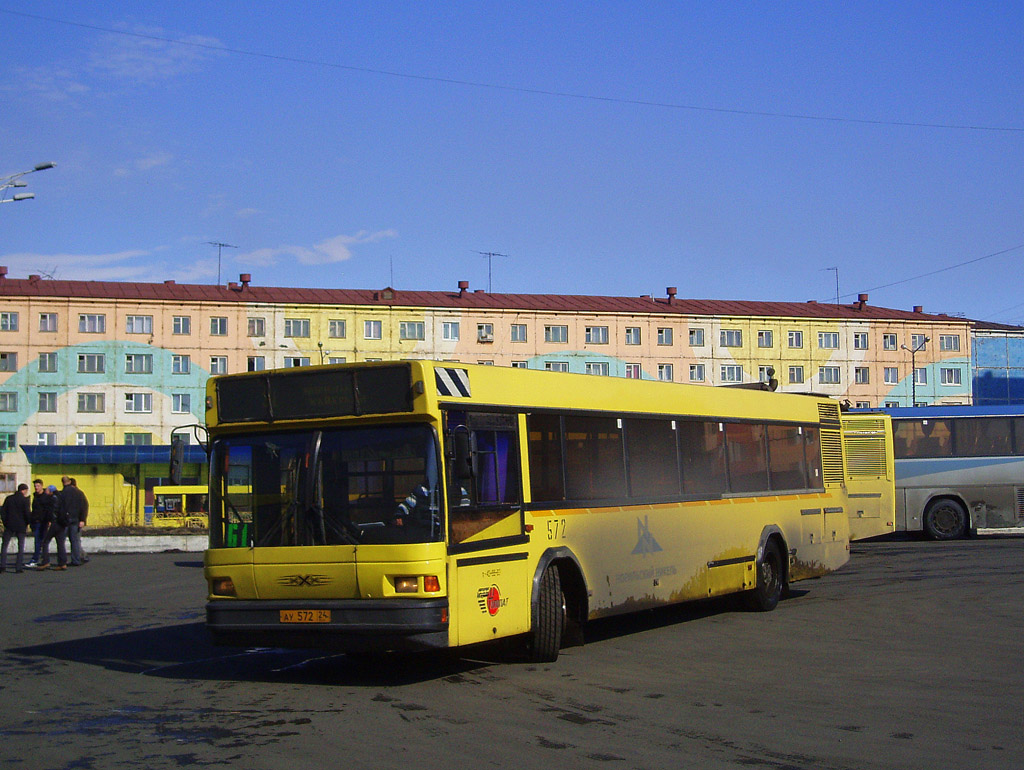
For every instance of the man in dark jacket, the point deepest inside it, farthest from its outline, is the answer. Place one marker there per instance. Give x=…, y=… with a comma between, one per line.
x=15, y=514
x=39, y=521
x=56, y=530
x=76, y=504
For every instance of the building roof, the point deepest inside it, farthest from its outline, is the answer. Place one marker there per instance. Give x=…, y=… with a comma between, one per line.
x=245, y=292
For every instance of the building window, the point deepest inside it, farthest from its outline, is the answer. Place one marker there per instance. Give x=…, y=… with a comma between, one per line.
x=949, y=342
x=731, y=338
x=920, y=377
x=48, y=362
x=860, y=340
x=732, y=373
x=518, y=332
x=556, y=333
x=8, y=362
x=138, y=363
x=256, y=364
x=597, y=367
x=862, y=375
x=138, y=402
x=632, y=335
x=371, y=330
x=219, y=326
x=486, y=363
x=8, y=402
x=89, y=439
x=138, y=439
x=411, y=330
x=218, y=364
x=765, y=339
x=795, y=339
x=891, y=404
x=46, y=439
x=862, y=405
x=485, y=332
x=796, y=375
x=595, y=335
x=336, y=329
x=918, y=341
x=47, y=402
x=91, y=363
x=8, y=322
x=291, y=361
x=8, y=443
x=450, y=330
x=181, y=364
x=888, y=342
x=47, y=322
x=336, y=359
x=138, y=324
x=665, y=372
x=296, y=327
x=91, y=403
x=696, y=372
x=92, y=323
x=828, y=340
x=556, y=366
x=633, y=371
x=519, y=365
x=182, y=324
x=892, y=375
x=828, y=375
x=949, y=376
x=181, y=403
x=764, y=373
x=664, y=335
x=696, y=338
x=257, y=327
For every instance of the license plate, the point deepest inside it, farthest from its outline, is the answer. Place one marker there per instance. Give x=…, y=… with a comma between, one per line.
x=305, y=616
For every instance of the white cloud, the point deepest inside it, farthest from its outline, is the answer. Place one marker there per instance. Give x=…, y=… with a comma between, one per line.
x=248, y=213
x=148, y=54
x=116, y=266
x=54, y=83
x=147, y=163
x=329, y=251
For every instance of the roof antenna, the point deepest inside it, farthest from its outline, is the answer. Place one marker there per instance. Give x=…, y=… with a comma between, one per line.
x=219, y=247
x=489, y=255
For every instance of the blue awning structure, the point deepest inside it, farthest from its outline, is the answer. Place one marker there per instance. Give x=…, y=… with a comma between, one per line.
x=109, y=454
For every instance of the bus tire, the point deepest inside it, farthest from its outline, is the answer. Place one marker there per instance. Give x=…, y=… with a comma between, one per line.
x=945, y=519
x=548, y=625
x=771, y=580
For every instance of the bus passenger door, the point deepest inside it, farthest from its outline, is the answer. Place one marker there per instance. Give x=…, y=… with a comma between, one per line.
x=490, y=596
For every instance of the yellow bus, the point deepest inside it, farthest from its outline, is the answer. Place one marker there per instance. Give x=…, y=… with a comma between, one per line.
x=421, y=504
x=870, y=473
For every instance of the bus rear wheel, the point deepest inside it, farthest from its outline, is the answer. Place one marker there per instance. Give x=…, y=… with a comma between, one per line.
x=945, y=520
x=549, y=623
x=771, y=581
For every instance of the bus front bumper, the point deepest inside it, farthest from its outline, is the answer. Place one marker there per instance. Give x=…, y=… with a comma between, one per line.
x=354, y=625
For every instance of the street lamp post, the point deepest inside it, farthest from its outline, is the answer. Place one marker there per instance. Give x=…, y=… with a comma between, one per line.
x=15, y=180
x=913, y=367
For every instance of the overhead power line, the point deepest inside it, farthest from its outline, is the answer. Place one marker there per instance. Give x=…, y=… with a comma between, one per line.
x=520, y=89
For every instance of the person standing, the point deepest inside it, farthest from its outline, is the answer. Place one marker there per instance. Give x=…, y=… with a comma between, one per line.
x=15, y=514
x=56, y=529
x=39, y=519
x=76, y=504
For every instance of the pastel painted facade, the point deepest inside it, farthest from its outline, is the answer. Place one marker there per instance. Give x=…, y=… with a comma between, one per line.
x=94, y=365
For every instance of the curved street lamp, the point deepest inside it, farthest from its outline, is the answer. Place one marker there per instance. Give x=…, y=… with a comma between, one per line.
x=14, y=180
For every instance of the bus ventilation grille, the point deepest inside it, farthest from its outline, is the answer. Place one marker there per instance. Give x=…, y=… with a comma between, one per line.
x=832, y=457
x=863, y=425
x=866, y=456
x=1020, y=504
x=828, y=415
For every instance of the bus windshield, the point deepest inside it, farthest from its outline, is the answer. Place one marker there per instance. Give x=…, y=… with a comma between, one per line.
x=331, y=487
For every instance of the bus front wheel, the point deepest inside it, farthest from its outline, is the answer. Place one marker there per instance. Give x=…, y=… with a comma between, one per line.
x=945, y=520
x=771, y=580
x=549, y=623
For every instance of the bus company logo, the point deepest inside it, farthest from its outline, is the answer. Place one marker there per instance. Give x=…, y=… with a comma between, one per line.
x=298, y=581
x=645, y=542
x=490, y=600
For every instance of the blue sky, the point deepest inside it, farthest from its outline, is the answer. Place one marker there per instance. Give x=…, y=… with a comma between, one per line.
x=734, y=150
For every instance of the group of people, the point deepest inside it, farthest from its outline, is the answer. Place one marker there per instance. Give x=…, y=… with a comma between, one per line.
x=51, y=515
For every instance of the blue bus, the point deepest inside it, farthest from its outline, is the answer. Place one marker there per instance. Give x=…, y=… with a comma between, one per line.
x=958, y=468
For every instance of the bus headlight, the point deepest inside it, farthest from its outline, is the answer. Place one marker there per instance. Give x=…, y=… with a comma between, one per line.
x=222, y=586
x=407, y=585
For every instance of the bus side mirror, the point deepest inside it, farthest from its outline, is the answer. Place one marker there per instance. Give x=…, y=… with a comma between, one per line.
x=463, y=455
x=177, y=460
